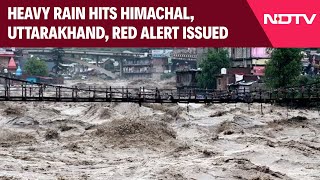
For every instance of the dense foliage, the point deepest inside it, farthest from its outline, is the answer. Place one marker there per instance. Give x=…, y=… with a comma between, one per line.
x=284, y=68
x=36, y=67
x=211, y=66
x=304, y=80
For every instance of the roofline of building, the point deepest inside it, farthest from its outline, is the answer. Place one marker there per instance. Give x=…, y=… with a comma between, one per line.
x=188, y=70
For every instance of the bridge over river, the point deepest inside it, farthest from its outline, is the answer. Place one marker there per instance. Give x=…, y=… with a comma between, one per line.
x=21, y=90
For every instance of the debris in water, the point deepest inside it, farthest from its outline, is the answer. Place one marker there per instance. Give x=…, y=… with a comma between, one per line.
x=51, y=134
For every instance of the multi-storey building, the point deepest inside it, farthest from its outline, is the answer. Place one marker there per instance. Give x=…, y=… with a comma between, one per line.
x=241, y=57
x=137, y=68
x=248, y=57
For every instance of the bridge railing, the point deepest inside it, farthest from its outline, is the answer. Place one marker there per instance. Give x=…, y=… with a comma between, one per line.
x=20, y=90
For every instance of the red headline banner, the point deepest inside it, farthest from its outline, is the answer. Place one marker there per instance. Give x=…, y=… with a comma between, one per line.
x=159, y=23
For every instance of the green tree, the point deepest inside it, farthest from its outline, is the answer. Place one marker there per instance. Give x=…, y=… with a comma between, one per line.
x=36, y=67
x=57, y=54
x=284, y=68
x=211, y=66
x=304, y=80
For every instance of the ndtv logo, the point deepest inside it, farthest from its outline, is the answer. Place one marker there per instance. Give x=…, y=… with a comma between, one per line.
x=288, y=18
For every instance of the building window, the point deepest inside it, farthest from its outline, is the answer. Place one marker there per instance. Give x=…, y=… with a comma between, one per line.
x=219, y=81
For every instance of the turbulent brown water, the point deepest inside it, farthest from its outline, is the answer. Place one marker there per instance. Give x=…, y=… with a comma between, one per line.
x=125, y=141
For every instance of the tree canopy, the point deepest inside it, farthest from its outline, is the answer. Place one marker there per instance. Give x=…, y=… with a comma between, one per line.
x=211, y=66
x=284, y=68
x=36, y=67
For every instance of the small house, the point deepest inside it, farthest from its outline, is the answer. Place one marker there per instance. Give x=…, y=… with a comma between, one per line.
x=247, y=86
x=224, y=80
x=230, y=76
x=233, y=75
x=242, y=88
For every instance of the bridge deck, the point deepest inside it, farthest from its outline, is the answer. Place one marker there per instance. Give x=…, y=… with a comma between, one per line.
x=20, y=90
